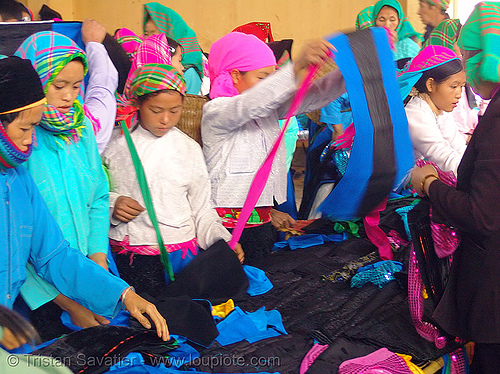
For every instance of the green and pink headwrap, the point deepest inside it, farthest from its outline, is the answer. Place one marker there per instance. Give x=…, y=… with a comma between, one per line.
x=146, y=79
x=49, y=52
x=366, y=18
x=445, y=34
x=238, y=51
x=481, y=33
x=428, y=58
x=172, y=25
x=443, y=4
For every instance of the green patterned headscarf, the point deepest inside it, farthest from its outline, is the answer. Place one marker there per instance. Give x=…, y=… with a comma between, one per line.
x=366, y=18
x=171, y=24
x=445, y=34
x=481, y=33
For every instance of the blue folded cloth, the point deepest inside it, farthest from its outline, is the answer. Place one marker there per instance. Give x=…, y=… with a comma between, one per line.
x=309, y=240
x=258, y=281
x=252, y=327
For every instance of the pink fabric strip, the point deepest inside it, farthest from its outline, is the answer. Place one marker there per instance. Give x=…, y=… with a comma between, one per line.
x=124, y=246
x=260, y=178
x=375, y=233
x=311, y=356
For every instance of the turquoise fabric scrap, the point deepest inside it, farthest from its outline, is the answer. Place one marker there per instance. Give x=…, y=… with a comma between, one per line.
x=252, y=327
x=379, y=273
x=258, y=281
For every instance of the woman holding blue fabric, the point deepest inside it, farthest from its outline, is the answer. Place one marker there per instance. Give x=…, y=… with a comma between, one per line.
x=28, y=232
x=470, y=306
x=66, y=166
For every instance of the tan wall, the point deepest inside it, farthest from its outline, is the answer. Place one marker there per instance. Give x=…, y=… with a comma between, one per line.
x=211, y=19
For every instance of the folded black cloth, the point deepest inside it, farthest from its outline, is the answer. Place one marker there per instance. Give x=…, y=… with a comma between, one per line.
x=96, y=349
x=215, y=274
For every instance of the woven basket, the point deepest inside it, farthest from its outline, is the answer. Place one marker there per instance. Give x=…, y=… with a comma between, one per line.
x=327, y=68
x=190, y=122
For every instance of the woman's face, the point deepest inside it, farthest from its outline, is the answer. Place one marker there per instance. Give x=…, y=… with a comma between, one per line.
x=427, y=12
x=387, y=17
x=161, y=112
x=446, y=94
x=20, y=131
x=65, y=87
x=246, y=80
x=150, y=28
x=176, y=60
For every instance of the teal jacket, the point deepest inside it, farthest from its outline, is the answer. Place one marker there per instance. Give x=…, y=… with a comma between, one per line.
x=74, y=187
x=28, y=232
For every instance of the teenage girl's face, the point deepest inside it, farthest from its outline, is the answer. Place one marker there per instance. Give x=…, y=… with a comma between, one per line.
x=65, y=87
x=446, y=94
x=150, y=28
x=160, y=113
x=387, y=17
x=176, y=61
x=20, y=130
x=244, y=81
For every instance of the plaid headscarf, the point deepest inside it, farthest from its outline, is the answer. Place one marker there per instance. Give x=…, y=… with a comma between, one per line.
x=481, y=33
x=428, y=58
x=171, y=24
x=445, y=34
x=154, y=50
x=49, y=52
x=146, y=79
x=366, y=18
x=443, y=4
x=129, y=41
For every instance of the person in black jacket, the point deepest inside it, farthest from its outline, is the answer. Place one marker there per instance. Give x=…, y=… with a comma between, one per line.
x=470, y=306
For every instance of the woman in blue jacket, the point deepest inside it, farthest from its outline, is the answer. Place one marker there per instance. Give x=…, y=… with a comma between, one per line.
x=28, y=232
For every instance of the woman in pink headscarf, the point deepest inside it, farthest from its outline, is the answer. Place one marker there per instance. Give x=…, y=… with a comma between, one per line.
x=240, y=125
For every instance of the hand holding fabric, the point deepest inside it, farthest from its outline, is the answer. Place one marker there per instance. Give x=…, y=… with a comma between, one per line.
x=281, y=220
x=137, y=306
x=417, y=176
x=126, y=209
x=239, y=251
x=313, y=53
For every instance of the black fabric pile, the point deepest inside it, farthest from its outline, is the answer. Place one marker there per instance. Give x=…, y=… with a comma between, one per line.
x=96, y=349
x=354, y=322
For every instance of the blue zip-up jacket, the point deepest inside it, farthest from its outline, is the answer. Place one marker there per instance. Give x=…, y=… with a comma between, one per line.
x=28, y=232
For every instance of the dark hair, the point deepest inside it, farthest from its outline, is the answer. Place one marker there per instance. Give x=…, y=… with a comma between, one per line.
x=439, y=74
x=11, y=9
x=19, y=327
x=175, y=45
x=6, y=119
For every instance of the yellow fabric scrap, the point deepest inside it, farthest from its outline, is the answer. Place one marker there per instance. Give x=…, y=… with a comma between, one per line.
x=222, y=310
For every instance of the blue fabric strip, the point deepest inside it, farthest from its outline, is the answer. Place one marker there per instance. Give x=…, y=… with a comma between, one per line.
x=344, y=201
x=364, y=185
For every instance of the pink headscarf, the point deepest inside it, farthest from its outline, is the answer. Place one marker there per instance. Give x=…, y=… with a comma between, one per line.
x=154, y=50
x=129, y=41
x=235, y=51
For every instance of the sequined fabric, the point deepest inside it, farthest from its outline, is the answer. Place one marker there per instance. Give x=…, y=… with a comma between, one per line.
x=416, y=301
